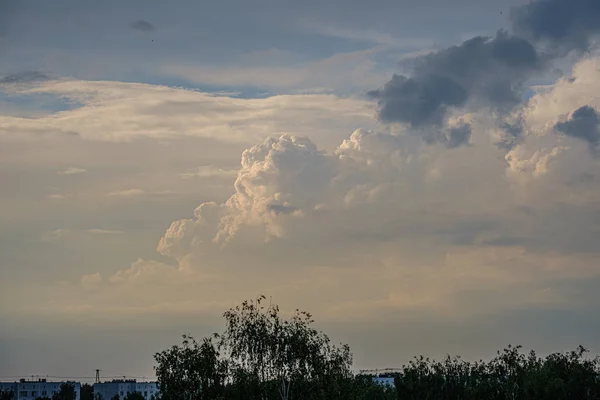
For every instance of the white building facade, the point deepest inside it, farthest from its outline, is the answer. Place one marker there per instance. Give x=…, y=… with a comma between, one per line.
x=122, y=387
x=32, y=389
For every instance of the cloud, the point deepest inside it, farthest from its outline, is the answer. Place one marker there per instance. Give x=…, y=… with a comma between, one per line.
x=562, y=24
x=209, y=171
x=97, y=231
x=147, y=272
x=56, y=235
x=381, y=206
x=281, y=174
x=142, y=25
x=311, y=26
x=63, y=233
x=24, y=77
x=91, y=280
x=487, y=73
x=481, y=72
x=458, y=136
x=583, y=124
x=121, y=112
x=340, y=73
x=290, y=197
x=72, y=171
x=142, y=269
x=380, y=224
x=127, y=193
x=58, y=196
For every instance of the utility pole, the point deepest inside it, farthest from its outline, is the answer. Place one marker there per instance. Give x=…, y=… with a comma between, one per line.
x=97, y=376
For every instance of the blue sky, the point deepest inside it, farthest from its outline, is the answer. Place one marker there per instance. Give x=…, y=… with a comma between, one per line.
x=418, y=189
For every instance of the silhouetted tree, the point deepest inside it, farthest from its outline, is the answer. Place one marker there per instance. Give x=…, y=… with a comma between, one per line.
x=66, y=392
x=261, y=356
x=511, y=375
x=265, y=357
x=86, y=392
x=134, y=396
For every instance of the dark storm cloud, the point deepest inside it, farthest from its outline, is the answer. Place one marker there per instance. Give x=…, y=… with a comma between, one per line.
x=562, y=24
x=490, y=71
x=584, y=124
x=451, y=137
x=24, y=77
x=458, y=136
x=143, y=26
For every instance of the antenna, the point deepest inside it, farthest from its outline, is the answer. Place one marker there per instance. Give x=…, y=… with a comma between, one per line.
x=97, y=376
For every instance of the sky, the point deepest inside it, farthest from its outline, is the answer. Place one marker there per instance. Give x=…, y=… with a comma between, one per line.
x=422, y=176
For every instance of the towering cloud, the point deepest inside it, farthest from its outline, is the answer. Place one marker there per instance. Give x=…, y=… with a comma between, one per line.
x=386, y=186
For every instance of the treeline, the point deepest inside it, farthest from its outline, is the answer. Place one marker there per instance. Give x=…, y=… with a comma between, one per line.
x=262, y=356
x=512, y=374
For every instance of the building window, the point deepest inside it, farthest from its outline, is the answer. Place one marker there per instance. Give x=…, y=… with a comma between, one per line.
x=44, y=393
x=23, y=393
x=33, y=394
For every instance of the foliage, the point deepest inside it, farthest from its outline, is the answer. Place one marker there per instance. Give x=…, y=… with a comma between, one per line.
x=183, y=370
x=260, y=355
x=134, y=396
x=86, y=392
x=511, y=375
x=66, y=392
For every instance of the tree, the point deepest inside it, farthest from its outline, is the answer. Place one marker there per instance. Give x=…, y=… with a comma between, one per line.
x=260, y=355
x=191, y=371
x=86, y=392
x=510, y=375
x=66, y=392
x=7, y=395
x=134, y=396
x=287, y=357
